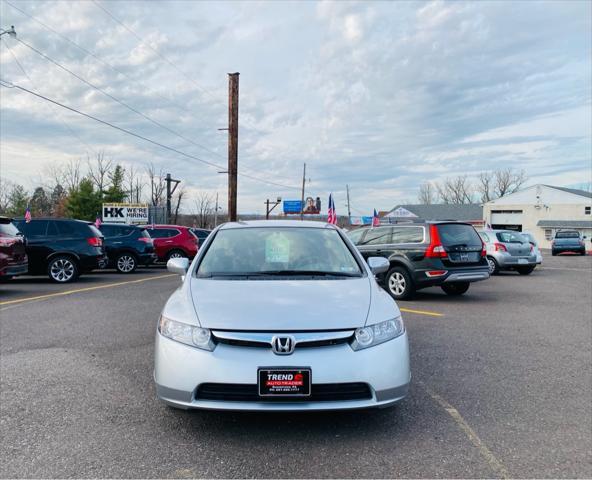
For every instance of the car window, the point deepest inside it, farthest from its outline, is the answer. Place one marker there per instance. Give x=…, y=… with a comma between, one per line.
x=68, y=229
x=264, y=250
x=356, y=235
x=458, y=234
x=378, y=236
x=567, y=235
x=8, y=229
x=510, y=237
x=109, y=230
x=52, y=229
x=484, y=236
x=407, y=235
x=35, y=228
x=173, y=232
x=156, y=232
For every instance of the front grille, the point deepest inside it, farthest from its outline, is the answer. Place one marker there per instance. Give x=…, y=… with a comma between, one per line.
x=320, y=392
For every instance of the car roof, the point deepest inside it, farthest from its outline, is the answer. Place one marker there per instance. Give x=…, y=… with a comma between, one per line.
x=275, y=224
x=164, y=226
x=111, y=224
x=53, y=219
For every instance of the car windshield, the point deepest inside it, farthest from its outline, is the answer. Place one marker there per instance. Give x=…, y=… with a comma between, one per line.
x=278, y=251
x=510, y=237
x=567, y=235
x=458, y=234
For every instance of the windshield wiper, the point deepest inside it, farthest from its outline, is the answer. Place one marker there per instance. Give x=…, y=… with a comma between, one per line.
x=321, y=273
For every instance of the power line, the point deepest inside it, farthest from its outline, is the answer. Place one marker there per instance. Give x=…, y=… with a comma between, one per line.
x=137, y=135
x=115, y=19
x=63, y=122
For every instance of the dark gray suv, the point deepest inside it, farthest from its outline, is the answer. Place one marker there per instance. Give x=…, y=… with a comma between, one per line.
x=449, y=255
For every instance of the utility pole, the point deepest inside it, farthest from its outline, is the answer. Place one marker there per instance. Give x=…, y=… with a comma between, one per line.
x=271, y=202
x=216, y=212
x=348, y=206
x=169, y=194
x=232, y=143
x=302, y=197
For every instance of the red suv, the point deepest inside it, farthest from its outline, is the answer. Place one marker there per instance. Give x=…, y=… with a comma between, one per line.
x=173, y=241
x=13, y=259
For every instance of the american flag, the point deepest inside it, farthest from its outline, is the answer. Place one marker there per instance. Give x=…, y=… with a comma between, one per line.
x=98, y=221
x=27, y=214
x=375, y=219
x=331, y=215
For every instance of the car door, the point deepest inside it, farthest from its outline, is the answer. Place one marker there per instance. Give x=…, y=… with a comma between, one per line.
x=408, y=241
x=38, y=245
x=111, y=239
x=376, y=242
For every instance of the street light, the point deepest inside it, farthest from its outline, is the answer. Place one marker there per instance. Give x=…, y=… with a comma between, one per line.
x=271, y=202
x=11, y=32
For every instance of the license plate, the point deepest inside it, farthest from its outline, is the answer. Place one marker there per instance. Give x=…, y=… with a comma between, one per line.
x=522, y=261
x=284, y=382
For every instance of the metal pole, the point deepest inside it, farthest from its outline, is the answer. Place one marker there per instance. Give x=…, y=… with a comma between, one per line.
x=348, y=207
x=302, y=197
x=232, y=143
x=168, y=198
x=216, y=212
x=267, y=209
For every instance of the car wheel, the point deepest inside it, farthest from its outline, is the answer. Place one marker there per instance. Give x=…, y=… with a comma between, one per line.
x=62, y=269
x=176, y=254
x=553, y=254
x=399, y=284
x=125, y=263
x=525, y=270
x=493, y=266
x=455, y=288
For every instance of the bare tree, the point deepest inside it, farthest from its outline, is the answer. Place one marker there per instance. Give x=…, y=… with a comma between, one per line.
x=427, y=194
x=178, y=197
x=157, y=184
x=485, y=187
x=508, y=181
x=457, y=190
x=204, y=207
x=134, y=184
x=72, y=175
x=98, y=171
x=5, y=188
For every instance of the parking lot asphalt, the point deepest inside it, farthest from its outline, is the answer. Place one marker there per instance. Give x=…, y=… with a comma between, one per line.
x=502, y=387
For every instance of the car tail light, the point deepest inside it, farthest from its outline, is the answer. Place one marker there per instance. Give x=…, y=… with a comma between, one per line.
x=483, y=249
x=146, y=240
x=499, y=247
x=435, y=248
x=436, y=273
x=7, y=241
x=531, y=248
x=95, y=241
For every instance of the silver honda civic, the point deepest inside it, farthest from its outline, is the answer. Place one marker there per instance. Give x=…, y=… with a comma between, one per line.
x=280, y=316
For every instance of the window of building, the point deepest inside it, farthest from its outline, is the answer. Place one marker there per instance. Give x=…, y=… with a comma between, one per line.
x=587, y=210
x=548, y=233
x=506, y=211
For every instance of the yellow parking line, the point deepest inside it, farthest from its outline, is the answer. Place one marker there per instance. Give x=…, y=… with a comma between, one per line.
x=497, y=466
x=422, y=312
x=80, y=290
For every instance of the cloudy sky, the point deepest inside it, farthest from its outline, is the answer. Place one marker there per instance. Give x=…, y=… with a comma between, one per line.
x=378, y=95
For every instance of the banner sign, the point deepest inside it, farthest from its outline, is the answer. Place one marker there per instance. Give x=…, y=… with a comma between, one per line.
x=312, y=206
x=136, y=213
x=360, y=220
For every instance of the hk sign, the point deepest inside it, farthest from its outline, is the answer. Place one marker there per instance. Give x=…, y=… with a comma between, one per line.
x=125, y=213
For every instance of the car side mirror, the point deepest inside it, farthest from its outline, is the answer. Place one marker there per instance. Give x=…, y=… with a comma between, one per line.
x=178, y=265
x=378, y=265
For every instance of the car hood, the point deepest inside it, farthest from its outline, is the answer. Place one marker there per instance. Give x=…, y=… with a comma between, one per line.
x=276, y=305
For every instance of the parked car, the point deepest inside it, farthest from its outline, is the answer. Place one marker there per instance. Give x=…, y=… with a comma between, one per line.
x=61, y=248
x=127, y=246
x=173, y=241
x=568, y=241
x=13, y=257
x=530, y=239
x=327, y=337
x=449, y=255
x=508, y=250
x=201, y=234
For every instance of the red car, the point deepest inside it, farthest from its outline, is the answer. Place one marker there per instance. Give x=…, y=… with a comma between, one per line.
x=13, y=259
x=173, y=241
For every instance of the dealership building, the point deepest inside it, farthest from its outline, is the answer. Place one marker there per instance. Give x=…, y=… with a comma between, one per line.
x=542, y=210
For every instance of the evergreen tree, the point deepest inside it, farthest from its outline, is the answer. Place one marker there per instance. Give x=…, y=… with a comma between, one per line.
x=18, y=199
x=40, y=203
x=57, y=199
x=84, y=202
x=116, y=191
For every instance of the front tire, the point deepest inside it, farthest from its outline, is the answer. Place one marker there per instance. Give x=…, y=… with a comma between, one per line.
x=175, y=254
x=62, y=269
x=456, y=288
x=493, y=266
x=525, y=270
x=126, y=263
x=399, y=284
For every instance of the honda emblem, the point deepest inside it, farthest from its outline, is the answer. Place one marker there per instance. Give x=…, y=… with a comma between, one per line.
x=283, y=344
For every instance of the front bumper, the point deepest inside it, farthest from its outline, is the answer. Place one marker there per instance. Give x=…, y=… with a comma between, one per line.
x=14, y=269
x=180, y=369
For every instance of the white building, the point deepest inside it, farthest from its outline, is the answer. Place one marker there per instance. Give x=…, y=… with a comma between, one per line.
x=542, y=210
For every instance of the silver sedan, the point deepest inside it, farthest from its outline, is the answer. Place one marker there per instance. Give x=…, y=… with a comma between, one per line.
x=280, y=315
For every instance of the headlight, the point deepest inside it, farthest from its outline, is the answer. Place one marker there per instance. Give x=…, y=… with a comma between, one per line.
x=187, y=334
x=378, y=333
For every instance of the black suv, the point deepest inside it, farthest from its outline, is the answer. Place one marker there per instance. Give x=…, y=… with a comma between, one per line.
x=127, y=246
x=449, y=255
x=61, y=248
